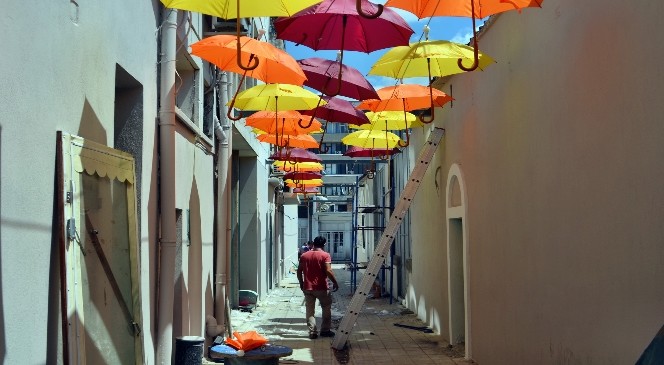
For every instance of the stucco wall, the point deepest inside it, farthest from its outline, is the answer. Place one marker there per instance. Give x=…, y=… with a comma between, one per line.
x=560, y=143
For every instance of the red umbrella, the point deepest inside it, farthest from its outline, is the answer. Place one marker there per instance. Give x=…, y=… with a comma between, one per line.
x=336, y=24
x=354, y=151
x=338, y=110
x=324, y=75
x=297, y=176
x=296, y=155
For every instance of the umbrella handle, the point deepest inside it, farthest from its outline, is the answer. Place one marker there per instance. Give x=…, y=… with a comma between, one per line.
x=299, y=122
x=407, y=142
x=476, y=58
x=230, y=107
x=250, y=66
x=358, y=6
x=340, y=60
x=421, y=116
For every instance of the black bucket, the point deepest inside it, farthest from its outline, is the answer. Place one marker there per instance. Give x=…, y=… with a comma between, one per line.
x=189, y=350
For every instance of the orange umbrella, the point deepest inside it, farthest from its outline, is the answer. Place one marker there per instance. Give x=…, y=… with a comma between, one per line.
x=406, y=97
x=465, y=8
x=281, y=122
x=275, y=66
x=301, y=141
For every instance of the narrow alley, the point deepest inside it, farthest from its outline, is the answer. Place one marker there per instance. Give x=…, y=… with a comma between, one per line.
x=375, y=339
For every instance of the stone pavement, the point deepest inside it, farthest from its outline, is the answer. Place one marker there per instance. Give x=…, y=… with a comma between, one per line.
x=374, y=340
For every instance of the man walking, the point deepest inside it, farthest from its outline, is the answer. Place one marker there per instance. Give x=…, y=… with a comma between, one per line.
x=313, y=271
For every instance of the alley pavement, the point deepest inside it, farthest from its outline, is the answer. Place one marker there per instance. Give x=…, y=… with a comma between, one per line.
x=375, y=339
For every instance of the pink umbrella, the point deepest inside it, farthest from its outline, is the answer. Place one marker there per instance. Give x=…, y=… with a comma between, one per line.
x=354, y=151
x=297, y=176
x=325, y=75
x=336, y=24
x=296, y=155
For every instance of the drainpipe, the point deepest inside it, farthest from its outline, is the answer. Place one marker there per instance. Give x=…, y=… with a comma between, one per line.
x=166, y=280
x=216, y=326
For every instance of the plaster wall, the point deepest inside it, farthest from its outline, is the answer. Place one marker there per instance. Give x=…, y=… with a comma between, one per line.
x=560, y=143
x=58, y=73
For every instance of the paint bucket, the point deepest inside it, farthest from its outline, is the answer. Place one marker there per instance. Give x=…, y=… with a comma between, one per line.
x=189, y=350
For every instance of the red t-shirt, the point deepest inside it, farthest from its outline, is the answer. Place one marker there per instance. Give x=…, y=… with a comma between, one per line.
x=314, y=269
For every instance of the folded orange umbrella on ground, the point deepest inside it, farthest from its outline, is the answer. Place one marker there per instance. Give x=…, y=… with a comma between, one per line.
x=246, y=341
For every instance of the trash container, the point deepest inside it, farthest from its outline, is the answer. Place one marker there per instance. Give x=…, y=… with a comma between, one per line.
x=189, y=350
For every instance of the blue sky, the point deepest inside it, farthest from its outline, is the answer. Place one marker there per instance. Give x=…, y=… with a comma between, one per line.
x=455, y=29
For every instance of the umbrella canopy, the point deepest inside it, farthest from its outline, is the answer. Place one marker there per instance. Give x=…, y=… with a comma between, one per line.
x=389, y=120
x=354, y=151
x=426, y=58
x=283, y=122
x=406, y=97
x=228, y=9
x=372, y=139
x=305, y=191
x=323, y=75
x=468, y=8
x=276, y=97
x=335, y=24
x=303, y=176
x=303, y=183
x=300, y=141
x=275, y=66
x=338, y=110
x=296, y=155
x=287, y=166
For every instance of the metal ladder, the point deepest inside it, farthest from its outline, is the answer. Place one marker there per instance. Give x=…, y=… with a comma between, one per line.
x=385, y=242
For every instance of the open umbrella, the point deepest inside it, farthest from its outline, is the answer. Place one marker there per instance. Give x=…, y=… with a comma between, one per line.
x=305, y=191
x=230, y=9
x=392, y=121
x=465, y=8
x=296, y=155
x=371, y=139
x=276, y=97
x=324, y=76
x=298, y=166
x=281, y=122
x=336, y=25
x=354, y=151
x=338, y=110
x=303, y=175
x=300, y=141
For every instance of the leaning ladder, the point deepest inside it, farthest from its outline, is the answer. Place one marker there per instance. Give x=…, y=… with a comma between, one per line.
x=383, y=248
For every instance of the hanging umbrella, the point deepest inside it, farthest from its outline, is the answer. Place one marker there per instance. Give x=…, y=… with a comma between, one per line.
x=304, y=183
x=354, y=151
x=297, y=176
x=406, y=97
x=230, y=9
x=276, y=97
x=296, y=155
x=372, y=139
x=336, y=25
x=323, y=75
x=298, y=166
x=305, y=191
x=281, y=122
x=300, y=141
x=338, y=110
x=392, y=121
x=464, y=8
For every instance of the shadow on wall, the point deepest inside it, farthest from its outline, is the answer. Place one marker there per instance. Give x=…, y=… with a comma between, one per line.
x=195, y=267
x=3, y=342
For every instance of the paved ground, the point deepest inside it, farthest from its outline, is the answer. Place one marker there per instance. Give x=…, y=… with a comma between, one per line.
x=375, y=339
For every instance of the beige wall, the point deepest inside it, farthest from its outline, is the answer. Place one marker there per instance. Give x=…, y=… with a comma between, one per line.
x=560, y=145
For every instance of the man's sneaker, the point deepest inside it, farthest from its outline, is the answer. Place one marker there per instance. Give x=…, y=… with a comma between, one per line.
x=326, y=334
x=313, y=335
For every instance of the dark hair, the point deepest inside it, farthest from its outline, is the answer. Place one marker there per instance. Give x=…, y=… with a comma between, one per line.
x=319, y=241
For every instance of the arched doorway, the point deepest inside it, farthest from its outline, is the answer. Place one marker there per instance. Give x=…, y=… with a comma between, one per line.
x=457, y=260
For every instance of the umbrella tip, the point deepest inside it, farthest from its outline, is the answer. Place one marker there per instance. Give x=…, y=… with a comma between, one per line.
x=426, y=32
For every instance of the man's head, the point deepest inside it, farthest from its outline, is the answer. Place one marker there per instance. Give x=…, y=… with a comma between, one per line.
x=310, y=244
x=319, y=241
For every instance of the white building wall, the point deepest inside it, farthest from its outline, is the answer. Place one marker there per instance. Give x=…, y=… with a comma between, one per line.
x=560, y=146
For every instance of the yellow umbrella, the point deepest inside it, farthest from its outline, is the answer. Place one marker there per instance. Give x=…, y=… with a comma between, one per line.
x=230, y=9
x=304, y=183
x=298, y=166
x=426, y=58
x=299, y=141
x=276, y=97
x=389, y=121
x=372, y=139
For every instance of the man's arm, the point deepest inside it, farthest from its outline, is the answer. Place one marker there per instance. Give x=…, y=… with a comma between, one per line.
x=300, y=277
x=330, y=275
